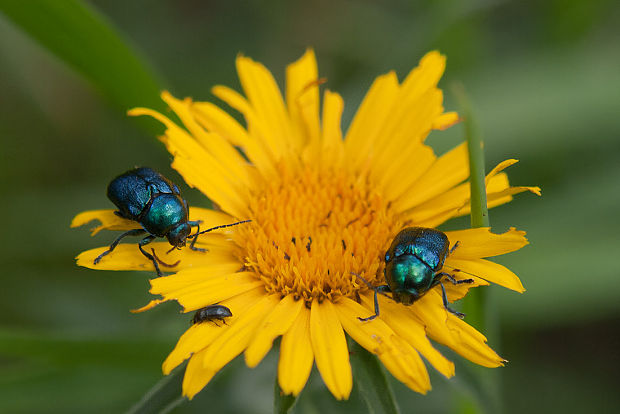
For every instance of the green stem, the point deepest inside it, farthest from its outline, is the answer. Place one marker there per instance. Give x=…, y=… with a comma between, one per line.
x=477, y=303
x=282, y=403
x=163, y=397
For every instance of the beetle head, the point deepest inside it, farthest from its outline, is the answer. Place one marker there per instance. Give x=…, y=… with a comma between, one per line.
x=178, y=234
x=406, y=296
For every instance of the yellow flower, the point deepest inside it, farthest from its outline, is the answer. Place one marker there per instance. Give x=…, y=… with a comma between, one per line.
x=322, y=208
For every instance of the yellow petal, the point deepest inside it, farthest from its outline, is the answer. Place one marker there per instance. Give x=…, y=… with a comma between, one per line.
x=373, y=335
x=200, y=172
x=377, y=337
x=498, y=190
x=500, y=167
x=412, y=115
x=446, y=120
x=410, y=118
x=232, y=164
x=257, y=128
x=211, y=291
x=277, y=323
x=127, y=256
x=407, y=366
x=361, y=137
x=456, y=200
x=425, y=75
x=480, y=242
x=148, y=306
x=196, y=376
x=489, y=271
x=236, y=338
x=216, y=120
x=211, y=218
x=458, y=335
x=232, y=98
x=405, y=169
x=296, y=355
x=187, y=278
x=409, y=328
x=407, y=126
x=333, y=146
x=511, y=191
x=448, y=171
x=330, y=349
x=201, y=335
x=199, y=168
x=432, y=221
x=302, y=98
x=265, y=99
x=471, y=344
x=109, y=221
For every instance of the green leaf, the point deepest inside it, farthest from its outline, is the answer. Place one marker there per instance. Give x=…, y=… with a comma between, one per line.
x=81, y=37
x=371, y=381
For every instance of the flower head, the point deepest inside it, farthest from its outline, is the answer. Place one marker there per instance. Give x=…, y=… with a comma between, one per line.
x=324, y=208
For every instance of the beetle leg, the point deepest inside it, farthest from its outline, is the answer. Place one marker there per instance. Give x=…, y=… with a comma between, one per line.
x=161, y=262
x=383, y=289
x=149, y=256
x=445, y=302
x=379, y=289
x=453, y=280
x=192, y=244
x=134, y=232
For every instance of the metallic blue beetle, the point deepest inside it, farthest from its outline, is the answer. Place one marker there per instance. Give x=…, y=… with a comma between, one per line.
x=211, y=313
x=146, y=196
x=413, y=266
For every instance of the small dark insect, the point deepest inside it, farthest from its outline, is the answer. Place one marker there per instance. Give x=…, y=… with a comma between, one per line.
x=147, y=197
x=212, y=313
x=413, y=266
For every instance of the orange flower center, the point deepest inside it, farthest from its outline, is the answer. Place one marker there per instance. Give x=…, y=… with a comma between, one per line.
x=312, y=229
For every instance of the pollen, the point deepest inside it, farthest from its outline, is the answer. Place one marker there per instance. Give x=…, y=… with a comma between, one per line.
x=313, y=230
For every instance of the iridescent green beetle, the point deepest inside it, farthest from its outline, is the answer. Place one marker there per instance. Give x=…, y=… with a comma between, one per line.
x=147, y=197
x=413, y=266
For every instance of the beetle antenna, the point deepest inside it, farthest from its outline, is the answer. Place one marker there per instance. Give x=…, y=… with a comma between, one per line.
x=217, y=227
x=457, y=270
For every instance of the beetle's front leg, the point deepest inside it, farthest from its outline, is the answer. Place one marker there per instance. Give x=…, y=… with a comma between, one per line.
x=149, y=256
x=192, y=244
x=134, y=232
x=383, y=289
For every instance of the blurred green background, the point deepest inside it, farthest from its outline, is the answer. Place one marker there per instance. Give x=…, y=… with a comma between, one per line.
x=544, y=80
